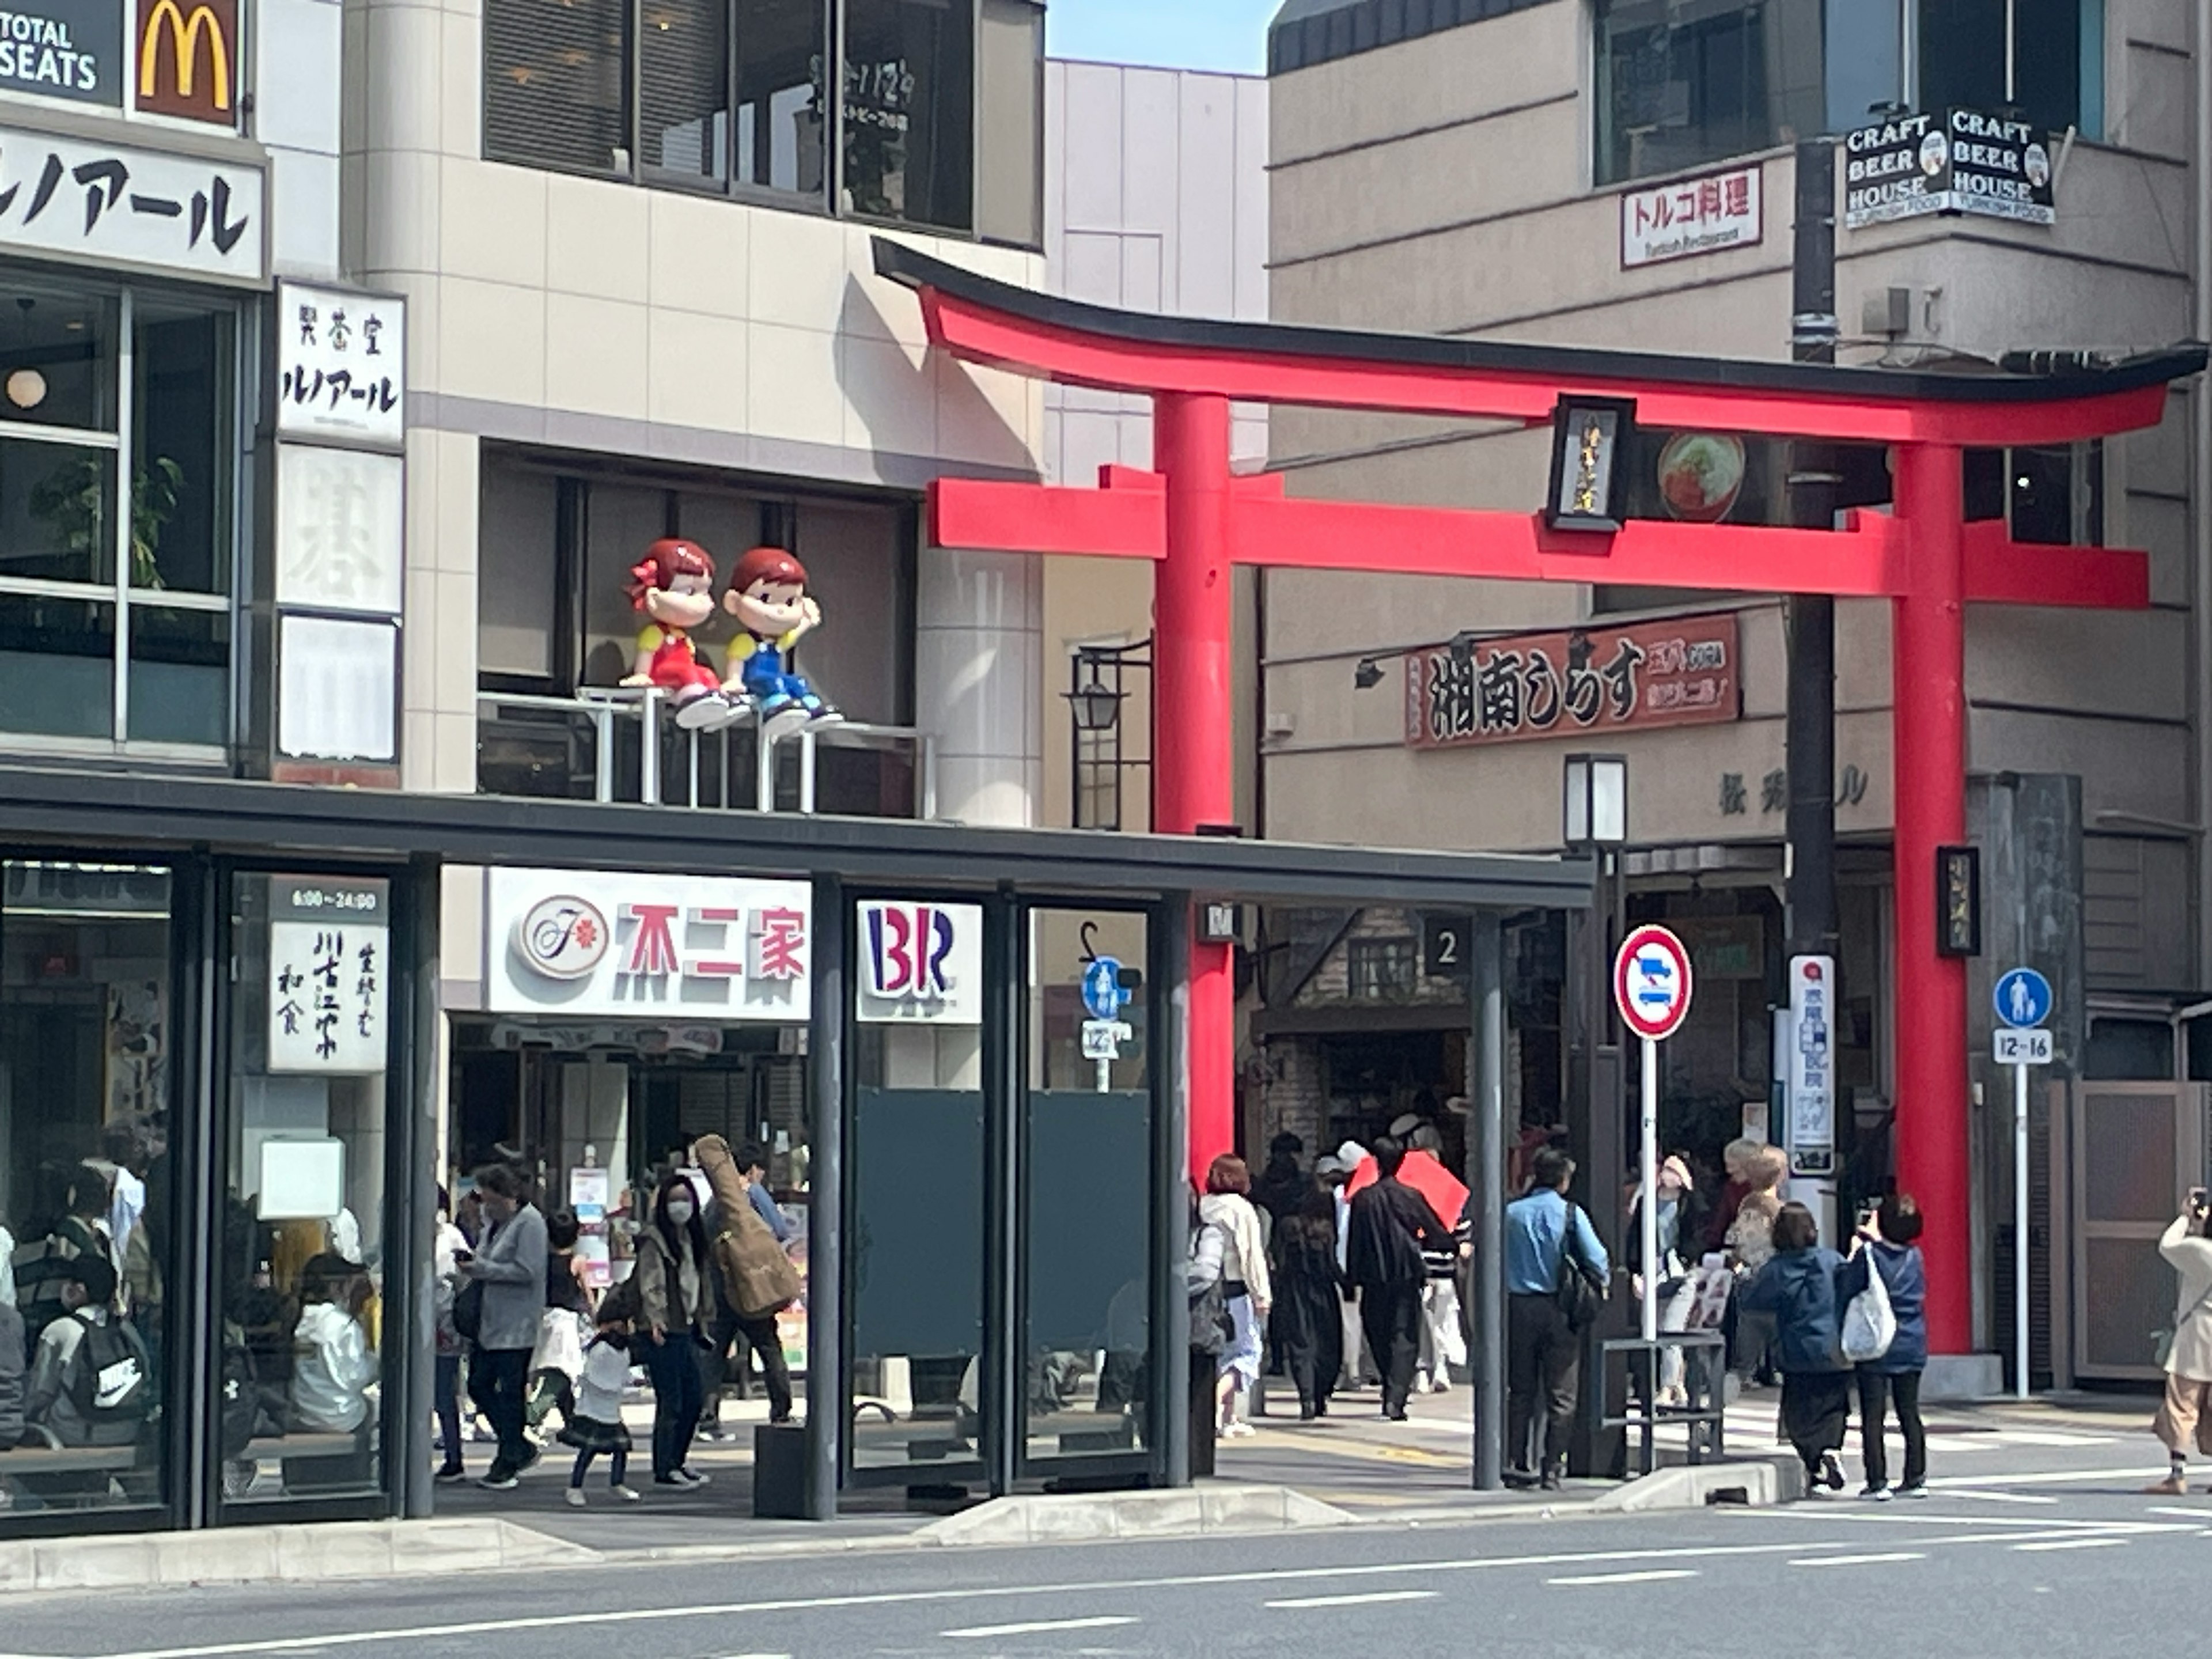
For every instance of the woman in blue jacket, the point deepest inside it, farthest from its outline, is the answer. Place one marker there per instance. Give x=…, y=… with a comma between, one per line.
x=1890, y=1250
x=1799, y=1288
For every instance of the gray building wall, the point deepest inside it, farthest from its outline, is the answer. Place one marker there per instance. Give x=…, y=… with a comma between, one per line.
x=1444, y=185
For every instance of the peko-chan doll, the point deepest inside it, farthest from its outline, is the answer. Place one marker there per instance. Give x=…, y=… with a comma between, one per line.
x=767, y=596
x=674, y=586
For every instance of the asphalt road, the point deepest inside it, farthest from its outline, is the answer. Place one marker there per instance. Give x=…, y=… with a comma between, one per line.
x=2070, y=1561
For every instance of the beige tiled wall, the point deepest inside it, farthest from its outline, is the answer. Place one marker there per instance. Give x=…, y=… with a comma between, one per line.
x=692, y=321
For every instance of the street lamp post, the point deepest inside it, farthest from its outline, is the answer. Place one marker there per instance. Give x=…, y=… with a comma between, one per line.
x=1594, y=819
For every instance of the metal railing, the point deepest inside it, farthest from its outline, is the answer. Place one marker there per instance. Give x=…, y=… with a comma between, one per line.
x=607, y=710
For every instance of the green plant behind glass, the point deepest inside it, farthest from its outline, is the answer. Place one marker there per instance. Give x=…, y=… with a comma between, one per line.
x=73, y=498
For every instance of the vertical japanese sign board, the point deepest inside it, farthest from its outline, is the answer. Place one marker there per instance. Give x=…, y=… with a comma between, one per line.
x=1810, y=1109
x=328, y=977
x=340, y=395
x=188, y=59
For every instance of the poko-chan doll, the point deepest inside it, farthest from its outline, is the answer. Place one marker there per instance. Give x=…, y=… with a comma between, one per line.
x=767, y=596
x=674, y=586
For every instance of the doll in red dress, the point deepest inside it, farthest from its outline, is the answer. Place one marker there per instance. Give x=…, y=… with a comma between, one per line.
x=674, y=586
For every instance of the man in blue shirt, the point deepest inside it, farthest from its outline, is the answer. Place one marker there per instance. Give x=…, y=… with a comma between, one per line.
x=1543, y=1352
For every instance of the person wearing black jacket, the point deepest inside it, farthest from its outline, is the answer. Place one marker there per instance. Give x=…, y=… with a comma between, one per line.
x=1389, y=1225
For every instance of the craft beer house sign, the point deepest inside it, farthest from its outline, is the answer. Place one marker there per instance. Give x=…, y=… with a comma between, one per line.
x=1958, y=162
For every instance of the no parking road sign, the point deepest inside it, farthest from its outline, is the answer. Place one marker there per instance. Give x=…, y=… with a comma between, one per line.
x=1651, y=983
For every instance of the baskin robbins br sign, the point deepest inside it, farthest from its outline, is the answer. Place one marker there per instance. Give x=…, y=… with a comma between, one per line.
x=601, y=943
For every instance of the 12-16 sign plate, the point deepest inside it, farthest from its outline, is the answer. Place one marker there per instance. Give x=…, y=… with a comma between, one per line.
x=1651, y=983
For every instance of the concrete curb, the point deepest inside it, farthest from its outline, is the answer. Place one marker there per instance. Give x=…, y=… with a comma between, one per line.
x=1752, y=1482
x=1087, y=1518
x=282, y=1554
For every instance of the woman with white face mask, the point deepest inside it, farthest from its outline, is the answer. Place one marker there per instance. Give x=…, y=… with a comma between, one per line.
x=675, y=1290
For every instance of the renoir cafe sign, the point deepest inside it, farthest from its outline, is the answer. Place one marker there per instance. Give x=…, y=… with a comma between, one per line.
x=1961, y=162
x=64, y=49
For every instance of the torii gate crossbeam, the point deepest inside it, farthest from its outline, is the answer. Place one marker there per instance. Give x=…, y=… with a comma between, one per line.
x=1196, y=521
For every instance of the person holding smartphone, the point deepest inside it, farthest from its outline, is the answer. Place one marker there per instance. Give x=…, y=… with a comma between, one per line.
x=2185, y=1414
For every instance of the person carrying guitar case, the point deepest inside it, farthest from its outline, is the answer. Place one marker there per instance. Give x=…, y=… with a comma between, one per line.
x=758, y=1278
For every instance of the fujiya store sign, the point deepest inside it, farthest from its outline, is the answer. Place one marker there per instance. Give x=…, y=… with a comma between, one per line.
x=600, y=943
x=1692, y=215
x=921, y=964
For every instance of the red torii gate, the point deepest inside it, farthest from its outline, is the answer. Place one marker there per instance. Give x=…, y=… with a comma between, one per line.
x=1196, y=520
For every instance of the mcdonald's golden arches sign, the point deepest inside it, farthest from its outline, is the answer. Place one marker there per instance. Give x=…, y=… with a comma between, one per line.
x=188, y=59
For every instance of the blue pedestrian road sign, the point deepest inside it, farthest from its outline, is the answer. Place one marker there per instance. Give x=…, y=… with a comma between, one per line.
x=2023, y=998
x=1102, y=988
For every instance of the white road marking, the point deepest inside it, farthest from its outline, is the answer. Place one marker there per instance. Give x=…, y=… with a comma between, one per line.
x=1859, y=1560
x=2002, y=1497
x=2049, y=1478
x=1980, y=1532
x=1037, y=1627
x=1651, y=1576
x=2074, y=1544
x=2176, y=1508
x=1368, y=1598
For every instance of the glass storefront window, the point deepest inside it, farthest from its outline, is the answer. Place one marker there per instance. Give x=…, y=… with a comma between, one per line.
x=98, y=514
x=1681, y=85
x=918, y=1198
x=909, y=111
x=781, y=127
x=300, y=1257
x=683, y=68
x=1087, y=1163
x=86, y=1210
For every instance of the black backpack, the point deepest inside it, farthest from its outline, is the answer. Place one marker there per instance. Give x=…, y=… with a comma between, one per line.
x=113, y=1384
x=1211, y=1324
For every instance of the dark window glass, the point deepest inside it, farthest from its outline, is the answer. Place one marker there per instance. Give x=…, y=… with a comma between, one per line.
x=918, y=1206
x=684, y=71
x=782, y=128
x=1680, y=86
x=1086, y=1192
x=2057, y=63
x=57, y=358
x=84, y=1180
x=1863, y=51
x=554, y=84
x=56, y=667
x=909, y=75
x=56, y=512
x=183, y=448
x=179, y=674
x=1984, y=483
x=1376, y=968
x=2057, y=494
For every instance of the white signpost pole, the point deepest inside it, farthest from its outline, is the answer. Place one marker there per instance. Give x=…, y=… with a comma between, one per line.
x=2020, y=1229
x=1647, y=1209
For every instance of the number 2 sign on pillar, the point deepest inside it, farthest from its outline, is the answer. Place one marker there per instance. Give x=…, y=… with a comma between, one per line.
x=1651, y=985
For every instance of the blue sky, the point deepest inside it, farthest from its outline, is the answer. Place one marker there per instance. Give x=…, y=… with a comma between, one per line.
x=1207, y=34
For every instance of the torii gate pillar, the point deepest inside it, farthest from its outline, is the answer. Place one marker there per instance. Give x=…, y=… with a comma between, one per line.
x=1928, y=693
x=1194, y=766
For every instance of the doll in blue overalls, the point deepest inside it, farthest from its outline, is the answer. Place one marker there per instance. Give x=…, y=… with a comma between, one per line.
x=767, y=596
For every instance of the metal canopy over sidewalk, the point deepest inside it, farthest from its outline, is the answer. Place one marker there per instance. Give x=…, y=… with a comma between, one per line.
x=226, y=814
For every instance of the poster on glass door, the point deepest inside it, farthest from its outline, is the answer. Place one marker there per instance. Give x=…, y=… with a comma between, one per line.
x=328, y=977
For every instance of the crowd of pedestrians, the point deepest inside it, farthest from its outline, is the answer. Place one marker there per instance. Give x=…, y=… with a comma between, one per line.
x=525, y=1336
x=1317, y=1275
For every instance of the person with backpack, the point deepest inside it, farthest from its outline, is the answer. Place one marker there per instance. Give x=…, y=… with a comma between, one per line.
x=1555, y=1267
x=1887, y=1248
x=79, y=1228
x=92, y=1383
x=1308, y=1290
x=558, y=1359
x=1206, y=1286
x=499, y=1309
x=1800, y=1287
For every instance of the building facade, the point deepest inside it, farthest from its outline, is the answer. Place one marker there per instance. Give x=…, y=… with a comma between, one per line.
x=1618, y=173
